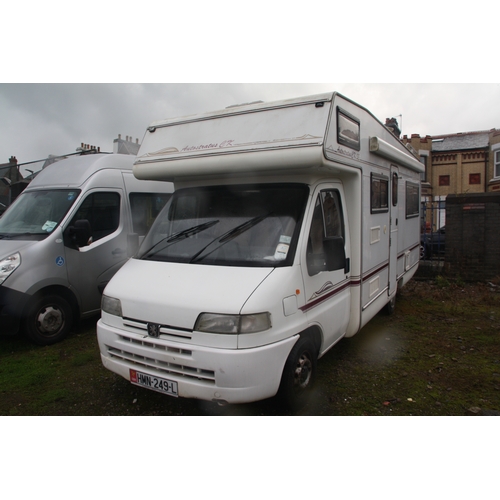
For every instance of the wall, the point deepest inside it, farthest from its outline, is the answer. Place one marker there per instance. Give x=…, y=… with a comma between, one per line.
x=473, y=236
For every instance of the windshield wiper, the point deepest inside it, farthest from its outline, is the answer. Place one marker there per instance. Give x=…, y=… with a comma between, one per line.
x=181, y=235
x=13, y=236
x=229, y=235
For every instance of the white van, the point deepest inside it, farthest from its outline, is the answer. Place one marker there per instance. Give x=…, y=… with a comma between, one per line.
x=292, y=224
x=65, y=236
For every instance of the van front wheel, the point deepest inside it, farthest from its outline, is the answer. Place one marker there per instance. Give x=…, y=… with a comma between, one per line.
x=299, y=373
x=49, y=320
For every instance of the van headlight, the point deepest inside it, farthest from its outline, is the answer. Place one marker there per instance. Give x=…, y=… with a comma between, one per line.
x=233, y=323
x=111, y=305
x=9, y=265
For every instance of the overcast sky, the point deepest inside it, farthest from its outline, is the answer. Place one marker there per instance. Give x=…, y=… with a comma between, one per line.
x=42, y=119
x=222, y=41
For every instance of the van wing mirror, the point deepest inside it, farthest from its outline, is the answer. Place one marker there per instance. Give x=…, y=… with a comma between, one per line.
x=80, y=234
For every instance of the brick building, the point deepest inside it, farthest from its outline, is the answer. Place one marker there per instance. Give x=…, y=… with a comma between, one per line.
x=466, y=162
x=462, y=163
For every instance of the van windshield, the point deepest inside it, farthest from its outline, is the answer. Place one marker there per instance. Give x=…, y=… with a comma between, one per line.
x=242, y=225
x=35, y=214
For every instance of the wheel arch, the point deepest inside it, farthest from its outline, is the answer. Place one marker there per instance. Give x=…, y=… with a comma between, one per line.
x=60, y=290
x=315, y=334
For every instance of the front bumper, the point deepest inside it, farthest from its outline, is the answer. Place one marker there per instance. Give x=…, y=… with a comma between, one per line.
x=12, y=304
x=212, y=374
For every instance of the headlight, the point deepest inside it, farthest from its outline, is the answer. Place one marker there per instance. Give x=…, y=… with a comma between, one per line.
x=8, y=265
x=111, y=305
x=228, y=323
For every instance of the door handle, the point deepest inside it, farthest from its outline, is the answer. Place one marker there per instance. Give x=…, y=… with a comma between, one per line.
x=118, y=251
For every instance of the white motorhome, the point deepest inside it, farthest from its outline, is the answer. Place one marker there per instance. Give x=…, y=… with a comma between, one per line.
x=293, y=223
x=65, y=236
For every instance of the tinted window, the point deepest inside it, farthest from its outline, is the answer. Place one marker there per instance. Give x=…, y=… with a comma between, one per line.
x=102, y=210
x=412, y=200
x=325, y=249
x=379, y=193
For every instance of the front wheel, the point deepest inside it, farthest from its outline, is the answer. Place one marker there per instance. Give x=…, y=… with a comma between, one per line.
x=49, y=320
x=299, y=373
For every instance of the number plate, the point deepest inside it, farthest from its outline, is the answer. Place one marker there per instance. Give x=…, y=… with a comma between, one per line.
x=155, y=383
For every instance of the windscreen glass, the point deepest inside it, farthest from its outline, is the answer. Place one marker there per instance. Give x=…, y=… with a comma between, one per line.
x=246, y=225
x=35, y=214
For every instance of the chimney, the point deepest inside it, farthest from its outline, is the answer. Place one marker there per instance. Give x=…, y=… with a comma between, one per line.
x=392, y=125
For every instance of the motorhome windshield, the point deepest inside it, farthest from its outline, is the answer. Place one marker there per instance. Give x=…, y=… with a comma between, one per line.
x=244, y=225
x=35, y=214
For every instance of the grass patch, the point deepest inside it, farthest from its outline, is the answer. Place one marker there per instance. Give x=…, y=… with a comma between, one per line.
x=438, y=354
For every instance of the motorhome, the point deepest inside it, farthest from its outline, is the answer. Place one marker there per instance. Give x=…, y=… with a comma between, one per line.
x=65, y=236
x=293, y=223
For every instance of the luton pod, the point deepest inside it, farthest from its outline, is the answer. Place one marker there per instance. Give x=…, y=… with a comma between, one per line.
x=65, y=236
x=292, y=224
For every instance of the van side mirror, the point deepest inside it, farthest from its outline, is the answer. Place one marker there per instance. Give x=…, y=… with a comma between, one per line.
x=80, y=234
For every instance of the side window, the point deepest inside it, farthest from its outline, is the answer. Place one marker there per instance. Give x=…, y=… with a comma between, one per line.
x=325, y=248
x=145, y=207
x=379, y=193
x=348, y=129
x=102, y=210
x=412, y=200
x=395, y=189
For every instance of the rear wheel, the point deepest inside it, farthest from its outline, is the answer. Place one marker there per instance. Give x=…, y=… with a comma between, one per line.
x=299, y=373
x=49, y=320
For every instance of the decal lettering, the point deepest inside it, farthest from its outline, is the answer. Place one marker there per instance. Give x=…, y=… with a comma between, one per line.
x=212, y=145
x=344, y=152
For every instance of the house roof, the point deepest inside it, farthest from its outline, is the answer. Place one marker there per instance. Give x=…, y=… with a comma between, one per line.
x=461, y=141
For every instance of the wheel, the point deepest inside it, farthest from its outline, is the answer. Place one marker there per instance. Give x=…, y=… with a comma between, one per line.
x=422, y=252
x=49, y=320
x=425, y=252
x=299, y=374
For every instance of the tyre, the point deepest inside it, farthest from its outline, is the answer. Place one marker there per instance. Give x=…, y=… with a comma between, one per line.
x=49, y=320
x=299, y=374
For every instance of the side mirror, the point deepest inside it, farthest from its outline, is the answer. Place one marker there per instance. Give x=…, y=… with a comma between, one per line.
x=81, y=233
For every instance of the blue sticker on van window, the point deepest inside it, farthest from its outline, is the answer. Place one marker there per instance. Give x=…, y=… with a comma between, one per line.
x=71, y=196
x=60, y=261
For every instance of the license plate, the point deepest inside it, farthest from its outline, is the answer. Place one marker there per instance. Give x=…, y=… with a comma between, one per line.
x=155, y=383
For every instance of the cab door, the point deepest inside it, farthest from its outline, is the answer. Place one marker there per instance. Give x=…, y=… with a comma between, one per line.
x=91, y=266
x=325, y=262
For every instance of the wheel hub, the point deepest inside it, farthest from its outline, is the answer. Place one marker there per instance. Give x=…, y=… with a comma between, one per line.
x=303, y=371
x=50, y=320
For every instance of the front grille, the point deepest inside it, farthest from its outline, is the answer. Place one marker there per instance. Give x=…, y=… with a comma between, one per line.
x=161, y=368
x=150, y=344
x=142, y=327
